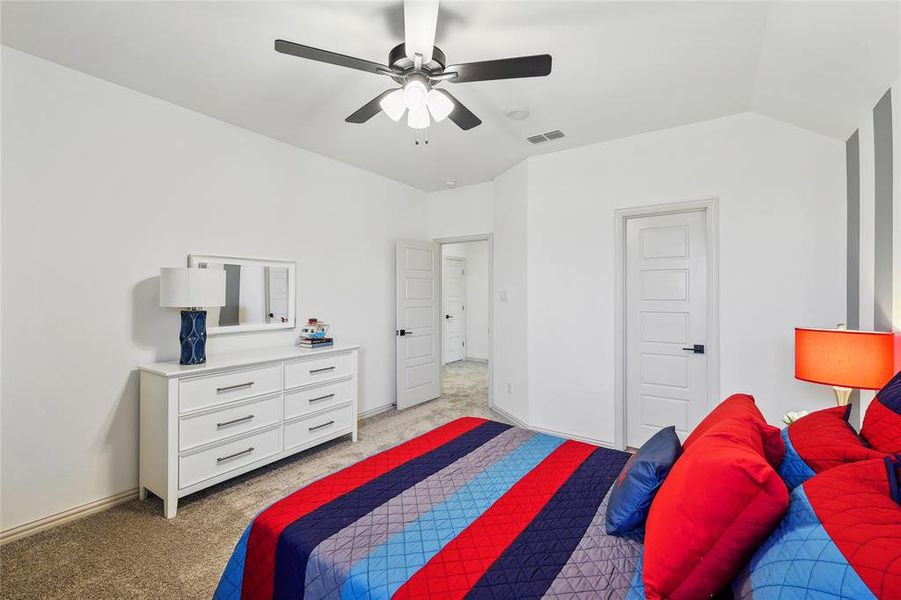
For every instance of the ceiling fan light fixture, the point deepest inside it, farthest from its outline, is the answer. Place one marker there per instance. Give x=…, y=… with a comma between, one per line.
x=418, y=118
x=415, y=94
x=439, y=105
x=393, y=105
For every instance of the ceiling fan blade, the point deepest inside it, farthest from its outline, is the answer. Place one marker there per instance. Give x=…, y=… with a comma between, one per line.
x=462, y=116
x=504, y=68
x=368, y=110
x=332, y=58
x=420, y=21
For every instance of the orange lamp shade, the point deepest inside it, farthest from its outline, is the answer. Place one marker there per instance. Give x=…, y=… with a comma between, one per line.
x=842, y=358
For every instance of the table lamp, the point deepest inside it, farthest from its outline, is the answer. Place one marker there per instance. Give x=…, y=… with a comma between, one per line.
x=191, y=290
x=844, y=359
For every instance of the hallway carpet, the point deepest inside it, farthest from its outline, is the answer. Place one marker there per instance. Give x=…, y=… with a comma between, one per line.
x=131, y=551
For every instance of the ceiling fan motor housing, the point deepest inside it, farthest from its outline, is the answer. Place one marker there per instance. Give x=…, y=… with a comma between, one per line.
x=398, y=60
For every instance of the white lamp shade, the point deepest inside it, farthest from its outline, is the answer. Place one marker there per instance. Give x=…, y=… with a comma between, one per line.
x=393, y=104
x=439, y=105
x=418, y=118
x=184, y=287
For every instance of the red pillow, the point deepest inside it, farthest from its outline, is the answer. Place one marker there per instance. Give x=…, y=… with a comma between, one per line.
x=882, y=421
x=719, y=502
x=824, y=439
x=738, y=405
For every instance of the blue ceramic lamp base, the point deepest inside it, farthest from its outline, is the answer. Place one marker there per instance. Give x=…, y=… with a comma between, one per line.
x=193, y=337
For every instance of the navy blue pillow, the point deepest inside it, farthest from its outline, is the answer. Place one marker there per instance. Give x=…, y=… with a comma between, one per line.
x=637, y=484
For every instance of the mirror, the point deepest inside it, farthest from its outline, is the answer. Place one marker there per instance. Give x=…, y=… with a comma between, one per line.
x=259, y=294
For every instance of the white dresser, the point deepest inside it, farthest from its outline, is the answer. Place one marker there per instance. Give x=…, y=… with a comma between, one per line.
x=203, y=424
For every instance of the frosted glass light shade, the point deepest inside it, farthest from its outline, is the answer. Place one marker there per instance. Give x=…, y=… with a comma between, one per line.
x=418, y=118
x=439, y=105
x=415, y=94
x=393, y=105
x=184, y=287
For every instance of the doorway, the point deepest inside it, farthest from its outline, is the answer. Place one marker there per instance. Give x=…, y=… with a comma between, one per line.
x=443, y=322
x=465, y=310
x=667, y=350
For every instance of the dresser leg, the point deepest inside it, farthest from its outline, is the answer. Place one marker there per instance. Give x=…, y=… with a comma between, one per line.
x=169, y=507
x=353, y=436
x=142, y=493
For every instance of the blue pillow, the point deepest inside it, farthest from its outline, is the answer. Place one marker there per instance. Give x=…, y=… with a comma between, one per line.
x=637, y=484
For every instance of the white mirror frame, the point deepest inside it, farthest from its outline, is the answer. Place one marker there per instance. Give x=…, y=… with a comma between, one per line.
x=195, y=259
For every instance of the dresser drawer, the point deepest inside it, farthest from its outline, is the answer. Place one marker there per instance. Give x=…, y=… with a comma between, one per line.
x=206, y=427
x=311, y=428
x=318, y=369
x=204, y=392
x=228, y=456
x=301, y=402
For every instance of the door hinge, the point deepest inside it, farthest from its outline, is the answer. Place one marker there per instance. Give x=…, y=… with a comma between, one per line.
x=462, y=308
x=464, y=343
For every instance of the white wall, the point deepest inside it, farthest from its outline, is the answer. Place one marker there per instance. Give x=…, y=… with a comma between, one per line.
x=782, y=253
x=477, y=295
x=101, y=187
x=511, y=360
x=462, y=211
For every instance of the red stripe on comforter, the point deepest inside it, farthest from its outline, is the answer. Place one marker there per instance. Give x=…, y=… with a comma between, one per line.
x=458, y=566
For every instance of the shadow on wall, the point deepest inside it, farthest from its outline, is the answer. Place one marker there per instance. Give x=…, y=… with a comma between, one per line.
x=122, y=432
x=152, y=326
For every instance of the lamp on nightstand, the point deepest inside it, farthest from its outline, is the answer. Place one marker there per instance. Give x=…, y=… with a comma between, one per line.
x=192, y=290
x=844, y=359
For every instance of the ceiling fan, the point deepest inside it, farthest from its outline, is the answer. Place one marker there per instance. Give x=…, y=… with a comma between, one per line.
x=418, y=66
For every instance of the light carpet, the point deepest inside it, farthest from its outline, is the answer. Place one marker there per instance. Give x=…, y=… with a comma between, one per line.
x=131, y=551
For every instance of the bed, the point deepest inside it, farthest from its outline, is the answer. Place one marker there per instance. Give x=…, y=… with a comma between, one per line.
x=474, y=508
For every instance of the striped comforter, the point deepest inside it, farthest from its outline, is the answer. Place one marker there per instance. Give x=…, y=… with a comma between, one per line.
x=474, y=509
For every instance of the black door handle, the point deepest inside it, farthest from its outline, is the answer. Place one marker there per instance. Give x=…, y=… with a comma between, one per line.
x=404, y=332
x=697, y=348
x=448, y=317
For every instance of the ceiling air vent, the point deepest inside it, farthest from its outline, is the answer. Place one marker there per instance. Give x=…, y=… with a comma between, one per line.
x=545, y=137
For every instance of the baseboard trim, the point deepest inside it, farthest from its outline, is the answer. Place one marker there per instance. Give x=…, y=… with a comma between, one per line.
x=476, y=359
x=515, y=420
x=581, y=438
x=375, y=411
x=578, y=438
x=67, y=516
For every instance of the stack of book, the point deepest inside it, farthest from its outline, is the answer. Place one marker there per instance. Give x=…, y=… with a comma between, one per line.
x=316, y=343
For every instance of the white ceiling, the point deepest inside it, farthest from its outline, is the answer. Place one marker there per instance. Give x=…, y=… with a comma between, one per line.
x=620, y=68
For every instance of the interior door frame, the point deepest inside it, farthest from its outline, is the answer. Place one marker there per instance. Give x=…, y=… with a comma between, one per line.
x=480, y=237
x=710, y=206
x=444, y=309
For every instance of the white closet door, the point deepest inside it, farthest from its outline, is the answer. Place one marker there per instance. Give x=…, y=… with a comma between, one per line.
x=418, y=306
x=666, y=323
x=454, y=318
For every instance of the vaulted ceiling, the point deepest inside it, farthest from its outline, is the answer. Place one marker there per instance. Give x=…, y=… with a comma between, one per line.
x=620, y=68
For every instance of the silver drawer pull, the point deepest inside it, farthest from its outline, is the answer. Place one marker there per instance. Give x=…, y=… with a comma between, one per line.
x=321, y=426
x=326, y=397
x=230, y=388
x=233, y=422
x=322, y=370
x=235, y=455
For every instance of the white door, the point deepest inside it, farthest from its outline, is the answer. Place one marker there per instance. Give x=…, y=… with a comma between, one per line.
x=418, y=360
x=666, y=323
x=454, y=316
